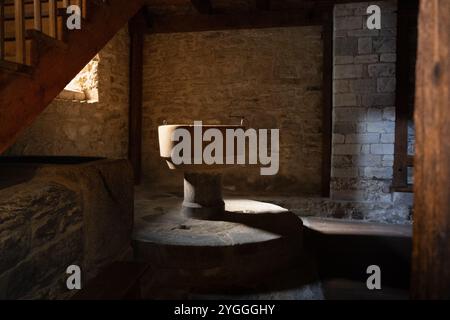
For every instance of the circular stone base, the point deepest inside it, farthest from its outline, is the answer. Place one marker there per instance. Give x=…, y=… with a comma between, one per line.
x=252, y=240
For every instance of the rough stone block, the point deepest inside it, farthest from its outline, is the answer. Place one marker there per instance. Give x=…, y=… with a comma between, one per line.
x=345, y=46
x=362, y=138
x=386, y=84
x=381, y=127
x=344, y=172
x=348, y=23
x=348, y=71
x=387, y=138
x=388, y=57
x=347, y=149
x=368, y=58
x=374, y=114
x=345, y=127
x=384, y=45
x=389, y=113
x=379, y=173
x=342, y=161
x=388, y=163
x=382, y=148
x=341, y=86
x=378, y=99
x=338, y=138
x=365, y=45
x=365, y=149
x=381, y=70
x=350, y=114
x=343, y=59
x=345, y=100
x=388, y=20
x=340, y=11
x=366, y=160
x=362, y=85
x=363, y=33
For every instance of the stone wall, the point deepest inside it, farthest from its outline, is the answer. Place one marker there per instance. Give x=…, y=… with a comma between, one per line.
x=61, y=215
x=363, y=119
x=87, y=128
x=364, y=103
x=272, y=77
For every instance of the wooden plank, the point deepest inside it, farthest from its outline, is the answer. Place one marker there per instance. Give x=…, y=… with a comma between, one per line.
x=263, y=4
x=52, y=24
x=136, y=27
x=19, y=31
x=402, y=94
x=262, y=19
x=202, y=6
x=37, y=15
x=2, y=30
x=431, y=228
x=327, y=89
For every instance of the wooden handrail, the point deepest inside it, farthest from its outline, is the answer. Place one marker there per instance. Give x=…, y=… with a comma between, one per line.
x=20, y=31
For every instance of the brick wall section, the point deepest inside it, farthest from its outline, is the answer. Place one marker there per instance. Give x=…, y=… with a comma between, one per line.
x=272, y=77
x=364, y=103
x=82, y=128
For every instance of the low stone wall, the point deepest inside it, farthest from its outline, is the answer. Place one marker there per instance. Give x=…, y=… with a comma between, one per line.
x=61, y=215
x=399, y=211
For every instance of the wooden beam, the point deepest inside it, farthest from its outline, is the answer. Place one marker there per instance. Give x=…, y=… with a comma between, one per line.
x=263, y=19
x=431, y=228
x=406, y=19
x=2, y=30
x=262, y=4
x=202, y=6
x=136, y=27
x=327, y=89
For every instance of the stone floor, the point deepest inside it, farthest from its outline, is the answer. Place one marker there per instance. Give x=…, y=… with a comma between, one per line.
x=330, y=264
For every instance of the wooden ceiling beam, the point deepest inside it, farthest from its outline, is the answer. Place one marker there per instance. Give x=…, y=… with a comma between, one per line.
x=262, y=4
x=257, y=20
x=203, y=6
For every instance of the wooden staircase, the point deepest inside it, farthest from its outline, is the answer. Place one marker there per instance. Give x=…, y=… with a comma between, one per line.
x=39, y=56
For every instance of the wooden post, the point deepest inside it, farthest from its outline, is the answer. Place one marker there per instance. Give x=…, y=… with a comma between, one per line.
x=327, y=91
x=2, y=30
x=137, y=26
x=52, y=7
x=431, y=237
x=19, y=31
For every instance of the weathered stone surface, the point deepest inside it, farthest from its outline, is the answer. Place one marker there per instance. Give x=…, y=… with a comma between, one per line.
x=364, y=45
x=272, y=77
x=382, y=70
x=369, y=125
x=348, y=71
x=64, y=214
x=348, y=23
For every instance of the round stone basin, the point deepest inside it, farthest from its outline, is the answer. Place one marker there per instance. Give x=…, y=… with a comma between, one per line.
x=196, y=163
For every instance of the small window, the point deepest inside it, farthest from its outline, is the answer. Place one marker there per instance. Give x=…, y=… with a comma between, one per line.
x=84, y=87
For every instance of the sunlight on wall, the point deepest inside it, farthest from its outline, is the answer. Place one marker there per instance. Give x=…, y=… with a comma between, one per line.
x=85, y=85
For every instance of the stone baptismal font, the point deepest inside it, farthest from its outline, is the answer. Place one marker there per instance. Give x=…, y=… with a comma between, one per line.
x=203, y=244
